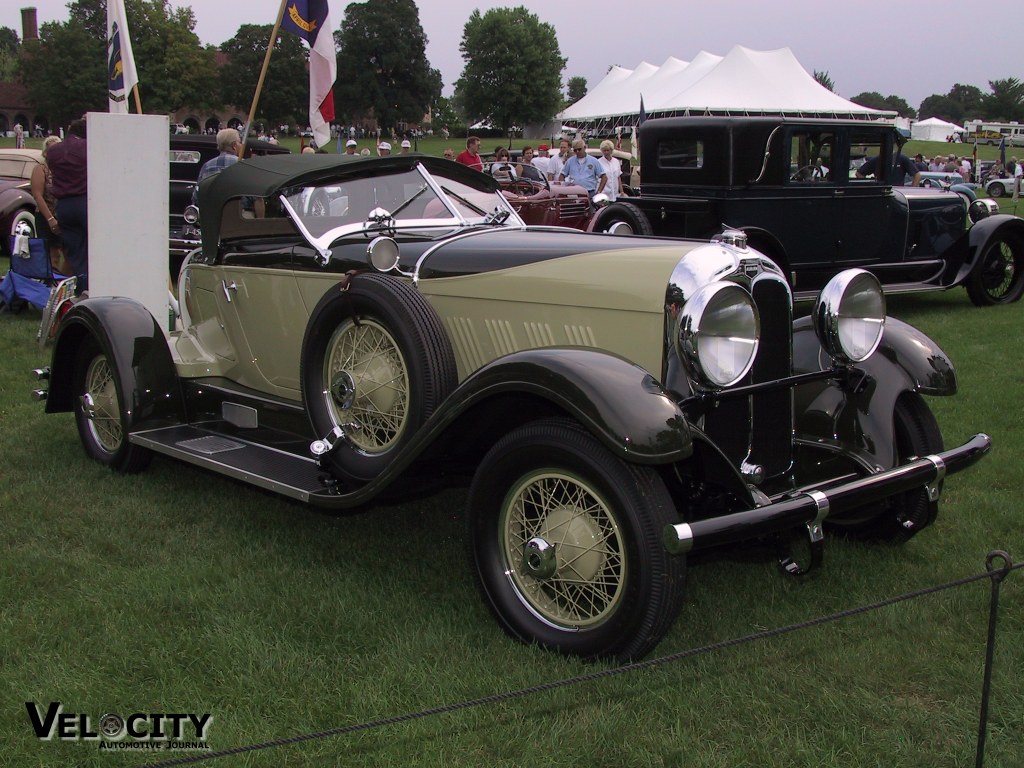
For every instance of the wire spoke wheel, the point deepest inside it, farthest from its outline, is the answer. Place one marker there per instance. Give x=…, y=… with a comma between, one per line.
x=103, y=422
x=103, y=408
x=998, y=277
x=586, y=584
x=369, y=384
x=565, y=539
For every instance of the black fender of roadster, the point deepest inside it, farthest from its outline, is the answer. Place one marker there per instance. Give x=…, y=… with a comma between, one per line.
x=619, y=402
x=859, y=419
x=129, y=335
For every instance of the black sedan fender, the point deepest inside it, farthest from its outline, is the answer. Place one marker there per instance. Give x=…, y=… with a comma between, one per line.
x=857, y=417
x=132, y=339
x=979, y=236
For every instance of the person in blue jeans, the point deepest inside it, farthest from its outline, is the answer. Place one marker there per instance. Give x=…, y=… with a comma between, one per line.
x=68, y=168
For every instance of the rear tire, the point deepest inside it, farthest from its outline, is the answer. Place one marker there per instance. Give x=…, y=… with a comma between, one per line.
x=23, y=222
x=623, y=219
x=103, y=423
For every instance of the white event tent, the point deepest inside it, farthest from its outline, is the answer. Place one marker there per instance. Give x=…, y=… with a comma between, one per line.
x=744, y=82
x=933, y=129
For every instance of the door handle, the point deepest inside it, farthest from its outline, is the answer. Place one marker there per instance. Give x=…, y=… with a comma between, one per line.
x=228, y=287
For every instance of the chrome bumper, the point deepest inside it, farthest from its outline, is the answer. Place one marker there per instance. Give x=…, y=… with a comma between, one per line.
x=813, y=507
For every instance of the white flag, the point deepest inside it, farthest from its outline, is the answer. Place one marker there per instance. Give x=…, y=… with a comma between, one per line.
x=121, y=74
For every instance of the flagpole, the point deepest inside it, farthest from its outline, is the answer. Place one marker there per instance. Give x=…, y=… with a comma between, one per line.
x=138, y=101
x=263, y=76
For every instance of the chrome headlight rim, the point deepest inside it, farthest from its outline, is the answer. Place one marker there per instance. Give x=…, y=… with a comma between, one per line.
x=719, y=313
x=849, y=316
x=982, y=208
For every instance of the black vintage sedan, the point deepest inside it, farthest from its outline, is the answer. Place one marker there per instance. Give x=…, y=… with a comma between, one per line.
x=792, y=186
x=354, y=327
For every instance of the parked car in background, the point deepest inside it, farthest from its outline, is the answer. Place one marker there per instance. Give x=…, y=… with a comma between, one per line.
x=354, y=326
x=186, y=155
x=556, y=203
x=1000, y=186
x=17, y=208
x=791, y=186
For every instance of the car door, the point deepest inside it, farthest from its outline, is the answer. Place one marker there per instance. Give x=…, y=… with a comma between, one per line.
x=264, y=318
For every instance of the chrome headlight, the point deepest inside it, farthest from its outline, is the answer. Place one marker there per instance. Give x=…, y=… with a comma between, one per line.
x=849, y=316
x=982, y=208
x=719, y=330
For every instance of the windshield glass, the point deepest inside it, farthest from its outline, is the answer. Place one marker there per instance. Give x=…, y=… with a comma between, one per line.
x=411, y=197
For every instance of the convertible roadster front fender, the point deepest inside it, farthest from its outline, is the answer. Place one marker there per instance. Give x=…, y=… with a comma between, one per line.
x=858, y=419
x=619, y=402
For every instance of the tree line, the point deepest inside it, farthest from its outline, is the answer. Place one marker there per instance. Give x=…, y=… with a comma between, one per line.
x=512, y=72
x=511, y=76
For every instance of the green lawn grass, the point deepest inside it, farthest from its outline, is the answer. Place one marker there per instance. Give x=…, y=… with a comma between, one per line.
x=179, y=591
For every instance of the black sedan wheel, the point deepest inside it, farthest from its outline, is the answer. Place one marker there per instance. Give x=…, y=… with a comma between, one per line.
x=100, y=415
x=565, y=539
x=623, y=219
x=901, y=517
x=376, y=362
x=998, y=277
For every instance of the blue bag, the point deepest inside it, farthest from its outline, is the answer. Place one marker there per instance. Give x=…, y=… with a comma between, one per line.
x=29, y=258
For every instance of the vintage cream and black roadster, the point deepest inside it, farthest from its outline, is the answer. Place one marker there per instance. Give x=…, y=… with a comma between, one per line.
x=353, y=328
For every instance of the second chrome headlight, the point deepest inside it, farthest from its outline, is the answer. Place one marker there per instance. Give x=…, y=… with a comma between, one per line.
x=719, y=330
x=849, y=316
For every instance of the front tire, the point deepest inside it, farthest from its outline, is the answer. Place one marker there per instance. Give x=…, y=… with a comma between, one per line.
x=998, y=276
x=565, y=541
x=103, y=423
x=996, y=190
x=901, y=517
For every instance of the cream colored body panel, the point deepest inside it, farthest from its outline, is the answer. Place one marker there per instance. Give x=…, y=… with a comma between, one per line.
x=605, y=300
x=608, y=300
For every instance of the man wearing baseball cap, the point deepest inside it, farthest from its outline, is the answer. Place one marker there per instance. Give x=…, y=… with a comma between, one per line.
x=383, y=149
x=406, y=147
x=350, y=147
x=540, y=161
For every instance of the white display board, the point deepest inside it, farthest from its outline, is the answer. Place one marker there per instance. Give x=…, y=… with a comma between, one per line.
x=128, y=208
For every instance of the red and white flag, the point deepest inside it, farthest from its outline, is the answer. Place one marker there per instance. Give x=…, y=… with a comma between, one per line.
x=311, y=20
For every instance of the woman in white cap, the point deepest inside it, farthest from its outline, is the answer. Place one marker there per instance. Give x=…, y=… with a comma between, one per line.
x=383, y=149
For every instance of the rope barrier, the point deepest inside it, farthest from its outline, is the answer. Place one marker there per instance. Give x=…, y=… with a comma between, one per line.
x=993, y=573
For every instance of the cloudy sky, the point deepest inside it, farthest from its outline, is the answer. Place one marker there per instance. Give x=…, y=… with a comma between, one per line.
x=909, y=48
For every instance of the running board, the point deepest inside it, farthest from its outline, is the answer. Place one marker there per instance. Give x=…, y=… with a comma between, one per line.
x=282, y=472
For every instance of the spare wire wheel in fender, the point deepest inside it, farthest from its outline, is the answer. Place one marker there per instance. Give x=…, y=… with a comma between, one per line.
x=376, y=362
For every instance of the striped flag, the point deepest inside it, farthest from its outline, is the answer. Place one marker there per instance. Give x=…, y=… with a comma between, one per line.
x=311, y=20
x=121, y=74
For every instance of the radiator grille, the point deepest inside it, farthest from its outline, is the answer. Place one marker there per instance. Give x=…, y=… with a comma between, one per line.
x=760, y=429
x=570, y=209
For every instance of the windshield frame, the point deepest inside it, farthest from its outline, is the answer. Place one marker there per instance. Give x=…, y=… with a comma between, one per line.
x=378, y=223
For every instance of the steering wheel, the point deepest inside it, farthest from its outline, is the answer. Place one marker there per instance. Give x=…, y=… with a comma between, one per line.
x=522, y=187
x=804, y=174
